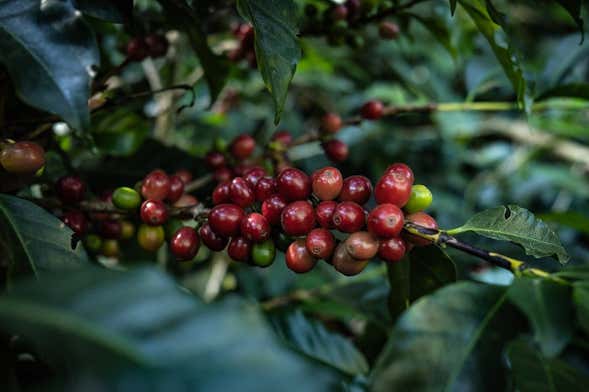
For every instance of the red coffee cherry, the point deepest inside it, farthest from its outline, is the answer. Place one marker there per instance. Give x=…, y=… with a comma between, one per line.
x=212, y=241
x=298, y=258
x=298, y=218
x=357, y=189
x=225, y=219
x=324, y=214
x=331, y=123
x=215, y=160
x=253, y=175
x=327, y=183
x=283, y=137
x=420, y=219
x=346, y=264
x=372, y=110
x=241, y=168
x=348, y=217
x=255, y=228
x=137, y=49
x=186, y=200
x=176, y=189
x=155, y=186
x=272, y=209
x=265, y=188
x=157, y=45
x=185, y=243
x=361, y=245
x=393, y=188
x=76, y=220
x=222, y=193
x=293, y=184
x=385, y=221
x=242, y=146
x=336, y=150
x=392, y=249
x=241, y=193
x=70, y=189
x=110, y=229
x=400, y=169
x=153, y=212
x=223, y=174
x=184, y=175
x=320, y=243
x=339, y=12
x=388, y=30
x=239, y=249
x=22, y=157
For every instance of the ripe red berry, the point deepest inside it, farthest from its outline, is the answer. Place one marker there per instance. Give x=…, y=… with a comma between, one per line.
x=420, y=219
x=185, y=243
x=361, y=245
x=242, y=146
x=22, y=157
x=331, y=123
x=392, y=249
x=137, y=49
x=283, y=137
x=154, y=212
x=253, y=175
x=215, y=159
x=223, y=174
x=393, y=188
x=327, y=183
x=298, y=218
x=76, y=220
x=336, y=150
x=110, y=229
x=255, y=227
x=212, y=240
x=176, y=189
x=157, y=45
x=241, y=193
x=339, y=12
x=320, y=243
x=372, y=110
x=385, y=221
x=298, y=258
x=239, y=249
x=225, y=219
x=70, y=189
x=293, y=184
x=272, y=209
x=324, y=214
x=222, y=193
x=388, y=30
x=400, y=169
x=184, y=175
x=357, y=189
x=346, y=264
x=265, y=188
x=348, y=217
x=186, y=200
x=155, y=186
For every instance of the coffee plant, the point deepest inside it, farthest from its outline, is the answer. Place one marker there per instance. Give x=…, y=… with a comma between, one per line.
x=305, y=195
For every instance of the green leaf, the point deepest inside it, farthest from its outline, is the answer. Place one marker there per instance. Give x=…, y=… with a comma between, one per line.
x=312, y=339
x=120, y=133
x=116, y=11
x=99, y=322
x=573, y=7
x=439, y=31
x=450, y=340
x=276, y=42
x=575, y=220
x=572, y=90
x=33, y=241
x=534, y=373
x=516, y=224
x=453, y=6
x=574, y=272
x=547, y=306
x=581, y=301
x=185, y=18
x=48, y=51
x=497, y=38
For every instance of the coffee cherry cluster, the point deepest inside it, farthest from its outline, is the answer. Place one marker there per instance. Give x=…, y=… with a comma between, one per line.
x=152, y=45
x=244, y=34
x=302, y=215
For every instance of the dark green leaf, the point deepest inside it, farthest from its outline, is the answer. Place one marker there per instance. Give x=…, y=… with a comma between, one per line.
x=453, y=6
x=277, y=45
x=33, y=241
x=573, y=7
x=120, y=133
x=574, y=90
x=574, y=272
x=96, y=321
x=48, y=51
x=312, y=339
x=534, y=373
x=116, y=11
x=572, y=219
x=439, y=31
x=399, y=280
x=516, y=224
x=449, y=340
x=547, y=306
x=581, y=301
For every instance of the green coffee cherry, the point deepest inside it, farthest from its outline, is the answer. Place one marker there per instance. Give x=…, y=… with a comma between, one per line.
x=150, y=238
x=220, y=144
x=263, y=253
x=421, y=198
x=110, y=248
x=93, y=243
x=127, y=230
x=126, y=198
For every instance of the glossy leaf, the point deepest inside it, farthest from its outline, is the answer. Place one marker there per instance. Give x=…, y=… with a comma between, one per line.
x=33, y=241
x=581, y=301
x=48, y=51
x=449, y=340
x=277, y=46
x=311, y=338
x=116, y=11
x=547, y=306
x=516, y=224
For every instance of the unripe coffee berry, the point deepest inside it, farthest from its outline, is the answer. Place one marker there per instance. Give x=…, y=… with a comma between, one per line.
x=320, y=243
x=92, y=242
x=420, y=219
x=127, y=230
x=150, y=238
x=298, y=218
x=393, y=188
x=22, y=157
x=155, y=185
x=241, y=193
x=388, y=30
x=421, y=198
x=327, y=183
x=242, y=147
x=361, y=245
x=336, y=150
x=70, y=189
x=126, y=198
x=392, y=249
x=357, y=189
x=212, y=240
x=272, y=209
x=154, y=212
x=298, y=258
x=385, y=221
x=263, y=253
x=293, y=184
x=176, y=189
x=110, y=248
x=348, y=217
x=76, y=220
x=225, y=219
x=215, y=160
x=265, y=188
x=372, y=110
x=184, y=244
x=255, y=228
x=331, y=123
x=239, y=249
x=324, y=214
x=222, y=193
x=346, y=264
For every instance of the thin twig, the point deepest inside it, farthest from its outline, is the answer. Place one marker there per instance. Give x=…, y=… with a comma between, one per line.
x=198, y=183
